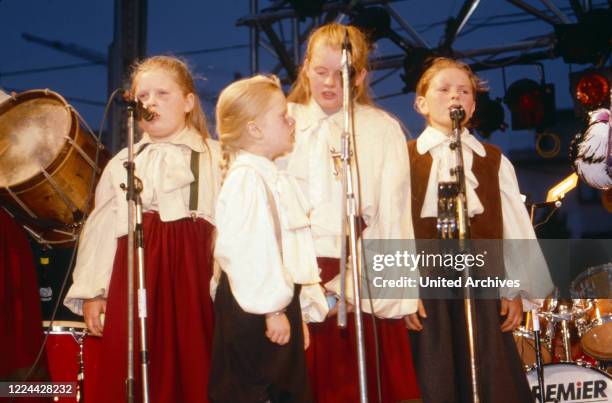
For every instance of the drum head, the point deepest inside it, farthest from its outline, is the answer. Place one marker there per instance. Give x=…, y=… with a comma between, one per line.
x=595, y=282
x=33, y=127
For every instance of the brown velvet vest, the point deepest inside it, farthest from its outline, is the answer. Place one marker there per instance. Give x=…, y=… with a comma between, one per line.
x=487, y=225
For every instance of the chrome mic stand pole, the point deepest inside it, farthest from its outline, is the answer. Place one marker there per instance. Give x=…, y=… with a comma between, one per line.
x=538, y=347
x=135, y=232
x=457, y=114
x=535, y=319
x=349, y=214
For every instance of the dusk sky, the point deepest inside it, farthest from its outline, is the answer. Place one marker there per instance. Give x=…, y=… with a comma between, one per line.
x=202, y=25
x=190, y=25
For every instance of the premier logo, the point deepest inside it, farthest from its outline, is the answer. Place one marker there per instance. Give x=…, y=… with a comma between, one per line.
x=578, y=391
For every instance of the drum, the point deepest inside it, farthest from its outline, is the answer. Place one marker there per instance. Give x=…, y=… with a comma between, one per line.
x=572, y=382
x=47, y=164
x=72, y=357
x=524, y=338
x=593, y=310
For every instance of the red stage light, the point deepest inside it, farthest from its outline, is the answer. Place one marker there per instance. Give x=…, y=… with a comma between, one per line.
x=531, y=105
x=592, y=90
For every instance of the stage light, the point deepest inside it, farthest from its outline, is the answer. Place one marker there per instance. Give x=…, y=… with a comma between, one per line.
x=375, y=22
x=307, y=8
x=531, y=105
x=489, y=115
x=415, y=63
x=590, y=89
x=588, y=41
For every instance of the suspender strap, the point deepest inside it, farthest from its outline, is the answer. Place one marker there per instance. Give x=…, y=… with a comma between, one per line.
x=193, y=188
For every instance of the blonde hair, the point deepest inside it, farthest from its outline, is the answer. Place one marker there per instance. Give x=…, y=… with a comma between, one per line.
x=183, y=77
x=238, y=104
x=440, y=63
x=333, y=35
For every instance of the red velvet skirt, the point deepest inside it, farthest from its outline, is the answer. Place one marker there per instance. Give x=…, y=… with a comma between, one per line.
x=332, y=356
x=178, y=261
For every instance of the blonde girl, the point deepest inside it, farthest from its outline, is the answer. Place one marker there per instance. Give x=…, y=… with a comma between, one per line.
x=382, y=172
x=268, y=284
x=496, y=211
x=178, y=165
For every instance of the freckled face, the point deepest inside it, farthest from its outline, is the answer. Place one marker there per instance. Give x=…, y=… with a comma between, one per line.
x=449, y=87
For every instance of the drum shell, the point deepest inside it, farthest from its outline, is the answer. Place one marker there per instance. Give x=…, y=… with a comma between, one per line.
x=62, y=349
x=593, y=309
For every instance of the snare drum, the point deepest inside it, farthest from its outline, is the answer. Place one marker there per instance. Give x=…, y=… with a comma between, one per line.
x=593, y=309
x=72, y=357
x=47, y=164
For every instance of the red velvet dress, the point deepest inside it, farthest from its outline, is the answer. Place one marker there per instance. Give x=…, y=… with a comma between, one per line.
x=178, y=259
x=332, y=356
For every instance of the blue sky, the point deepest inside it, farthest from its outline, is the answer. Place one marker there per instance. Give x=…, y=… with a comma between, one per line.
x=191, y=25
x=195, y=25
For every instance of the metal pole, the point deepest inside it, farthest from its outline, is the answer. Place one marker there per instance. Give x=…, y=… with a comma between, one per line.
x=133, y=188
x=349, y=207
x=129, y=382
x=254, y=39
x=463, y=226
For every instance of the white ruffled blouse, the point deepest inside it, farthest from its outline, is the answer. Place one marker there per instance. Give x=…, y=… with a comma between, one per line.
x=262, y=259
x=165, y=171
x=523, y=261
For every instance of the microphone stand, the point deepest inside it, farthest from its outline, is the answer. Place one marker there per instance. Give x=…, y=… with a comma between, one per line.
x=135, y=233
x=535, y=318
x=349, y=215
x=457, y=114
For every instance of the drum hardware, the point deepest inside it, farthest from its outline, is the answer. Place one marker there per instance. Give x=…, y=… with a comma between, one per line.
x=21, y=204
x=58, y=348
x=565, y=334
x=83, y=154
x=76, y=213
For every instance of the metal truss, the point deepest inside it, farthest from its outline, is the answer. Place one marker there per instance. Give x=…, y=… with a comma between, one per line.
x=268, y=26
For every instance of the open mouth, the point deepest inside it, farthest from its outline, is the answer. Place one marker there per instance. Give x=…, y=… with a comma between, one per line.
x=329, y=95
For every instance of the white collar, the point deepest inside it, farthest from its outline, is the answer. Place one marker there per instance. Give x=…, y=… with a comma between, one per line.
x=431, y=138
x=187, y=137
x=262, y=165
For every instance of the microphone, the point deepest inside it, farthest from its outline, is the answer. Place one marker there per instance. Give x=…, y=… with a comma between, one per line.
x=457, y=113
x=143, y=112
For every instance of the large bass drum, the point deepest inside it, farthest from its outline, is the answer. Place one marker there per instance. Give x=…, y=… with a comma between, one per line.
x=571, y=382
x=47, y=165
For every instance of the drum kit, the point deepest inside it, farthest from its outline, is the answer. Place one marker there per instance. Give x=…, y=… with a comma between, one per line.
x=575, y=340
